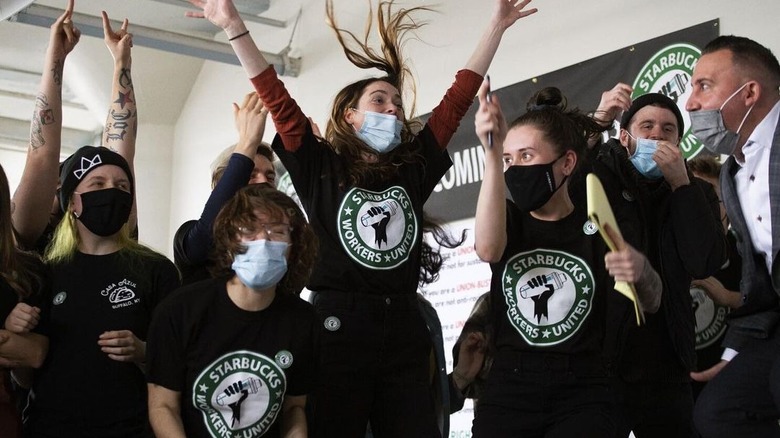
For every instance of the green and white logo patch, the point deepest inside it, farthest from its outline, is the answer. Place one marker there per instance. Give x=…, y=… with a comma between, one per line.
x=549, y=294
x=710, y=318
x=669, y=72
x=240, y=394
x=377, y=229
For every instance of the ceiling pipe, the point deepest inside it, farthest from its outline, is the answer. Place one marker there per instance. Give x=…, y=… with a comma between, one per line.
x=189, y=45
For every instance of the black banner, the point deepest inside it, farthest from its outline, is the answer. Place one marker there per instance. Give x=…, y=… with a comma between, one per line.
x=663, y=64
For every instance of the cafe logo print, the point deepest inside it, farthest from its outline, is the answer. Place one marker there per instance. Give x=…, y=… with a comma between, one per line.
x=710, y=318
x=549, y=294
x=669, y=72
x=240, y=394
x=377, y=229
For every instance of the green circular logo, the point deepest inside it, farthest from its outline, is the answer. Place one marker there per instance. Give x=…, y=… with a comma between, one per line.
x=377, y=229
x=240, y=394
x=549, y=294
x=669, y=72
x=710, y=318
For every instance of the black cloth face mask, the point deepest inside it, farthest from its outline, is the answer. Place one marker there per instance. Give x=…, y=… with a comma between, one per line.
x=532, y=186
x=104, y=212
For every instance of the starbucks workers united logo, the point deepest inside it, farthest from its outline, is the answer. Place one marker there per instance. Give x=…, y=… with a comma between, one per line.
x=240, y=394
x=377, y=229
x=669, y=72
x=549, y=294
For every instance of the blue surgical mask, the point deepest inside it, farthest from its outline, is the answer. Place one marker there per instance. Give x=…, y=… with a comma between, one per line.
x=262, y=265
x=642, y=158
x=708, y=127
x=381, y=132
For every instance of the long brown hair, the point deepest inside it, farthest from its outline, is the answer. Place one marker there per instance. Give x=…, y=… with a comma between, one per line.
x=241, y=211
x=392, y=27
x=19, y=269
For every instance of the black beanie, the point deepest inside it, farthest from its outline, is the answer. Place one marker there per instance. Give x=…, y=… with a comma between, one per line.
x=656, y=99
x=83, y=161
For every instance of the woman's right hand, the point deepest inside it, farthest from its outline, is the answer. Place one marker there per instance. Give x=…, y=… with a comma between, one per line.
x=489, y=119
x=250, y=122
x=64, y=35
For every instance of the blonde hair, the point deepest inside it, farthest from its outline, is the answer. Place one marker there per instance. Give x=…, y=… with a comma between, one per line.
x=220, y=163
x=66, y=240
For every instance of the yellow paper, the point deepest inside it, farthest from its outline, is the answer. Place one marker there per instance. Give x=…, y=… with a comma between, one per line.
x=600, y=213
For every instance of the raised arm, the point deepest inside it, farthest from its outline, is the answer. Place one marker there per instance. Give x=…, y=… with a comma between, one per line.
x=122, y=120
x=250, y=120
x=291, y=123
x=490, y=221
x=35, y=196
x=223, y=14
x=506, y=13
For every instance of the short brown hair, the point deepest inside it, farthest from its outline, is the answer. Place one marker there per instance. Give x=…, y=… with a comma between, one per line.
x=220, y=164
x=705, y=165
x=241, y=211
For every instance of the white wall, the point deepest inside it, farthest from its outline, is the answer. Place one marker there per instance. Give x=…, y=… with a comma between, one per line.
x=174, y=181
x=560, y=34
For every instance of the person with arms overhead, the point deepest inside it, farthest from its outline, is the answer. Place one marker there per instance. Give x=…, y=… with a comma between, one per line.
x=363, y=187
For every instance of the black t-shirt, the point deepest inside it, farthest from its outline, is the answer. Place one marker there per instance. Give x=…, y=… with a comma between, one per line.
x=232, y=367
x=80, y=391
x=711, y=321
x=370, y=237
x=565, y=311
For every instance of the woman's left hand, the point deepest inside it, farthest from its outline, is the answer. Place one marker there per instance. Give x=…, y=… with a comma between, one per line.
x=123, y=346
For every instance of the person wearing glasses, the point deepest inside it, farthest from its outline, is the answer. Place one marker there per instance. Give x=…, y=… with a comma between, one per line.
x=235, y=354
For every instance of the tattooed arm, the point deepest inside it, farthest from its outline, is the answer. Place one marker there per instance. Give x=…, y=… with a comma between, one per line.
x=34, y=199
x=122, y=120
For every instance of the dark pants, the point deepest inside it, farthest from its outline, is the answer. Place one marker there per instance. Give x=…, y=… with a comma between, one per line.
x=546, y=395
x=654, y=410
x=743, y=400
x=374, y=366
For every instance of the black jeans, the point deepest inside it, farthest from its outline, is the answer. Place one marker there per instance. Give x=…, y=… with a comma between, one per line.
x=375, y=364
x=546, y=395
x=654, y=409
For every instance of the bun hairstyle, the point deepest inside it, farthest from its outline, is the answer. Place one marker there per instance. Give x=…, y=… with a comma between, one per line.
x=566, y=128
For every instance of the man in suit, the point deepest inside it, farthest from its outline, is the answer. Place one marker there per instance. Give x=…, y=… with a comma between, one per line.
x=734, y=109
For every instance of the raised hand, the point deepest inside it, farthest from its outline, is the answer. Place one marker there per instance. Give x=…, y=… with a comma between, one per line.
x=222, y=13
x=490, y=119
x=119, y=42
x=250, y=120
x=64, y=35
x=507, y=12
x=613, y=102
